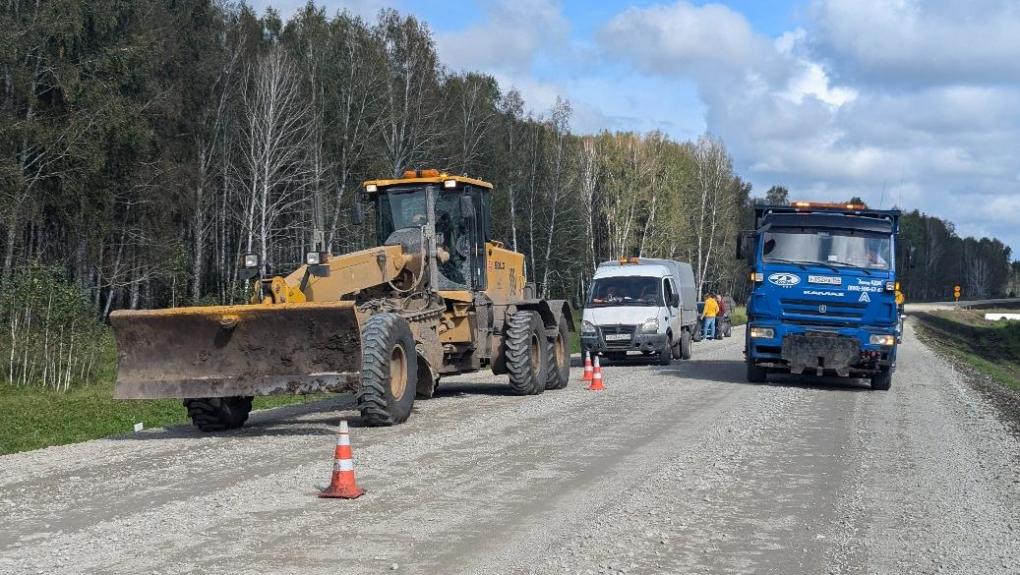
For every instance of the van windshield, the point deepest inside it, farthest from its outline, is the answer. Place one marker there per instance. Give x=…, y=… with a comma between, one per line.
x=626, y=290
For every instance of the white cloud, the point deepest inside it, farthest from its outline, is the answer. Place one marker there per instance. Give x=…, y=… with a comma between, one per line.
x=683, y=38
x=910, y=42
x=896, y=101
x=509, y=39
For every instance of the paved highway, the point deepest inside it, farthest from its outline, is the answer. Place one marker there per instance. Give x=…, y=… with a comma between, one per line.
x=681, y=469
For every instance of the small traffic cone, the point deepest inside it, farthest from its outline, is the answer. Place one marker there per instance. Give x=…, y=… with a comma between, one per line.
x=588, y=373
x=596, y=378
x=342, y=483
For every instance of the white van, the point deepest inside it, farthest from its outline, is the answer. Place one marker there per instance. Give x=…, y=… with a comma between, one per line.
x=641, y=306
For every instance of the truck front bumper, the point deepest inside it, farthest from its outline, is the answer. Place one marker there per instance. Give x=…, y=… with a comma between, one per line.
x=846, y=352
x=642, y=342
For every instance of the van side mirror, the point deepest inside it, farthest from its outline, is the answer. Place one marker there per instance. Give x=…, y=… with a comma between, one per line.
x=467, y=208
x=358, y=213
x=674, y=300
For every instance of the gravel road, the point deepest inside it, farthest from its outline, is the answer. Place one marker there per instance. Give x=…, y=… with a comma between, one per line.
x=681, y=469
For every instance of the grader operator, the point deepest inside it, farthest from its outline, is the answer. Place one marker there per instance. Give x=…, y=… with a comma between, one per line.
x=436, y=297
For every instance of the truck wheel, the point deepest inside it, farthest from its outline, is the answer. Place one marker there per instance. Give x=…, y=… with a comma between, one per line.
x=389, y=371
x=559, y=358
x=882, y=380
x=685, y=344
x=218, y=413
x=756, y=374
x=527, y=351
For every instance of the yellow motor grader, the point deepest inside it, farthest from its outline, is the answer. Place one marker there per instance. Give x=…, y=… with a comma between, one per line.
x=437, y=297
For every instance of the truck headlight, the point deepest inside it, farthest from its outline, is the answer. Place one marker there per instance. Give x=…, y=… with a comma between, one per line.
x=882, y=339
x=763, y=333
x=587, y=328
x=651, y=325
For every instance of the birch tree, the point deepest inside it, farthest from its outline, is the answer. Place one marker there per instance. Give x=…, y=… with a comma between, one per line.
x=276, y=130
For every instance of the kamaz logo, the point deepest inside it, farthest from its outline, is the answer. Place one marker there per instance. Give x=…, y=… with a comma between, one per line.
x=784, y=279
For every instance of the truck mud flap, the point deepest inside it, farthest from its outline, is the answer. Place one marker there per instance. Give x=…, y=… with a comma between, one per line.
x=224, y=351
x=815, y=353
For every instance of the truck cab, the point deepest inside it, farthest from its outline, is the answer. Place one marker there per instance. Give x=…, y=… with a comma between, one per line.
x=824, y=291
x=640, y=306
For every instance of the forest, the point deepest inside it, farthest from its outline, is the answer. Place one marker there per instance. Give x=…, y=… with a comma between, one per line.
x=147, y=145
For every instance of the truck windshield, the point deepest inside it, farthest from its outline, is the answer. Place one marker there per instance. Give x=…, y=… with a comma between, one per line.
x=828, y=247
x=626, y=290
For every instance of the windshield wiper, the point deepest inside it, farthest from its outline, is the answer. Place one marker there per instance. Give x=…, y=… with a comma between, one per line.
x=782, y=261
x=821, y=264
x=851, y=266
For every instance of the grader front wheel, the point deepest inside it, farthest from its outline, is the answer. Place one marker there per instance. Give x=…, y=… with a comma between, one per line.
x=389, y=371
x=218, y=413
x=527, y=353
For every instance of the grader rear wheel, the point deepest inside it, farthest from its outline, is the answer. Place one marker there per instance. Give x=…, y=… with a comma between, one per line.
x=389, y=371
x=559, y=358
x=527, y=353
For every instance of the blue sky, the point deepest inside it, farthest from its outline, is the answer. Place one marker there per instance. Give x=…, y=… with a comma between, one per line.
x=913, y=102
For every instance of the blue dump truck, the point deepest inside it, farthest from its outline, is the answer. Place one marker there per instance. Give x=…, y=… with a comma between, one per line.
x=823, y=300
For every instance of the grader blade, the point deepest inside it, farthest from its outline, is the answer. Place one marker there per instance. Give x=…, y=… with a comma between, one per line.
x=224, y=351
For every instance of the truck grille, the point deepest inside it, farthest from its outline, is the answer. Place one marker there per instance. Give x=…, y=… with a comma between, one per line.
x=809, y=311
x=618, y=330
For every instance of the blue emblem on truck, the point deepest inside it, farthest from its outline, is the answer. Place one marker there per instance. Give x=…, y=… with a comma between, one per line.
x=784, y=279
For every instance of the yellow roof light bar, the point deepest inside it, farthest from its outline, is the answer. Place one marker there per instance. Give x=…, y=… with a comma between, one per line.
x=830, y=205
x=630, y=260
x=430, y=176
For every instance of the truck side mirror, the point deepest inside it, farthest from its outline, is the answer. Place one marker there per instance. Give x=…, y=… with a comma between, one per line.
x=467, y=208
x=911, y=257
x=358, y=211
x=740, y=246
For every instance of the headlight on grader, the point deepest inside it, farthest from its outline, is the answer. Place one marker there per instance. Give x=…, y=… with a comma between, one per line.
x=251, y=261
x=313, y=258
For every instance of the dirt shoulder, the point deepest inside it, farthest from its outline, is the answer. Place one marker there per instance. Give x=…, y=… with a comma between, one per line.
x=987, y=354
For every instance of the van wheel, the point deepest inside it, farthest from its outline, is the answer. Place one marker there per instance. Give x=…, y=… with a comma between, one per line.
x=685, y=345
x=666, y=355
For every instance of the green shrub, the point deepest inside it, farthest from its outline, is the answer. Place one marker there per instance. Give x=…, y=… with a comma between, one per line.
x=51, y=334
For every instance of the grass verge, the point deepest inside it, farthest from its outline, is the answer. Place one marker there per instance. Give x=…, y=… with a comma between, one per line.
x=992, y=348
x=31, y=417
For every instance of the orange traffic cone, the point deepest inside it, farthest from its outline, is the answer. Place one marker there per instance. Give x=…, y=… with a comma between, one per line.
x=342, y=484
x=588, y=373
x=596, y=378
